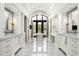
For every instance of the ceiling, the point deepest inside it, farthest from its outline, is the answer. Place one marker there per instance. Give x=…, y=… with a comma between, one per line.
x=49, y=9
x=45, y=7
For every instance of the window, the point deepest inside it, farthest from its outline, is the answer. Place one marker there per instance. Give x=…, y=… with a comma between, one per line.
x=44, y=18
x=34, y=18
x=39, y=17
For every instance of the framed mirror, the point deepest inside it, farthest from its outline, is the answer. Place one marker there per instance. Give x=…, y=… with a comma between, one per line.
x=72, y=20
x=9, y=21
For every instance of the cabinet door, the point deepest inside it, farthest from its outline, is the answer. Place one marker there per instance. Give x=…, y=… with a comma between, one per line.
x=69, y=42
x=3, y=47
x=57, y=41
x=74, y=44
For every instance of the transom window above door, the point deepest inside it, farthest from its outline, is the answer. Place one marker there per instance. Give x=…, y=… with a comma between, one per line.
x=39, y=17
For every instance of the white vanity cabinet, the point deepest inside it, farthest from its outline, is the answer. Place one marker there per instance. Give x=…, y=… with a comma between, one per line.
x=9, y=46
x=15, y=45
x=74, y=47
x=59, y=40
x=5, y=47
x=22, y=40
x=69, y=44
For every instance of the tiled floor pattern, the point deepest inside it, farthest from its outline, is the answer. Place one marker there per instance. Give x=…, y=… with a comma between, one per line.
x=40, y=46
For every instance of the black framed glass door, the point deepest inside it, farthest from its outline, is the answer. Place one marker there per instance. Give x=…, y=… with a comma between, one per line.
x=39, y=26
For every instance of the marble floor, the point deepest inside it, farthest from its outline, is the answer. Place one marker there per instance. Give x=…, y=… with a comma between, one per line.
x=40, y=46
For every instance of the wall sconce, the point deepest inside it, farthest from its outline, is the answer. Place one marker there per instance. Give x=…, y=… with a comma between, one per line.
x=66, y=21
x=13, y=25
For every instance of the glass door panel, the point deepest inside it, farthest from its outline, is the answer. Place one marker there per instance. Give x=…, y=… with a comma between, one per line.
x=39, y=27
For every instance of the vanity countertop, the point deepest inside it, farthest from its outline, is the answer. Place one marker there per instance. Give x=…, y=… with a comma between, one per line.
x=7, y=36
x=70, y=35
x=73, y=35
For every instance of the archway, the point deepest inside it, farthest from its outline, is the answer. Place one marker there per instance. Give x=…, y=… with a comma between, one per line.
x=39, y=25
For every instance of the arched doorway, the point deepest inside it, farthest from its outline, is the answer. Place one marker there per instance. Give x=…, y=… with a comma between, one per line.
x=39, y=25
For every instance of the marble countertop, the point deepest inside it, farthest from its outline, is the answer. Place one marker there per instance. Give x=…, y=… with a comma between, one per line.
x=70, y=35
x=8, y=36
x=74, y=36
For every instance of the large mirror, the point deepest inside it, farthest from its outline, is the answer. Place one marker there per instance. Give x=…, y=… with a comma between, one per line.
x=9, y=21
x=72, y=25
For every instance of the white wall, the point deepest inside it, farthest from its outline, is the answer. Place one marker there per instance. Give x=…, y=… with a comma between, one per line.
x=78, y=19
x=19, y=12
x=62, y=17
x=2, y=20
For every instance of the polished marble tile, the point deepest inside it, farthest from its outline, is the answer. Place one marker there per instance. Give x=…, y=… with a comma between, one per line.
x=40, y=47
